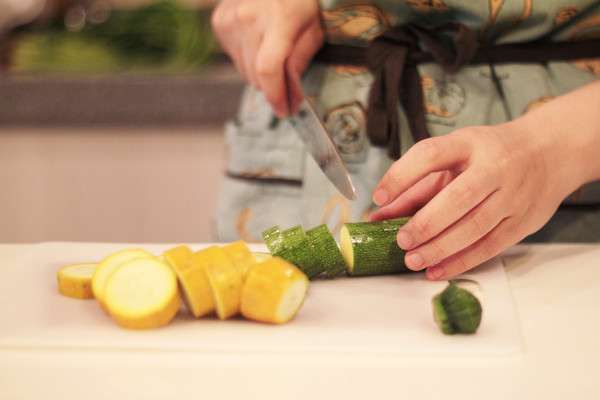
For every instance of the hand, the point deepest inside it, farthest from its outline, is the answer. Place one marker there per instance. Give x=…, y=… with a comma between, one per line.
x=267, y=39
x=481, y=190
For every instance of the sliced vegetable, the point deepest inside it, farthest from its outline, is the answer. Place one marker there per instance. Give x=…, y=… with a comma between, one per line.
x=189, y=268
x=239, y=253
x=260, y=256
x=142, y=294
x=272, y=238
x=326, y=251
x=192, y=279
x=296, y=248
x=456, y=310
x=224, y=278
x=76, y=280
x=108, y=266
x=274, y=291
x=370, y=248
x=293, y=236
x=179, y=256
x=440, y=316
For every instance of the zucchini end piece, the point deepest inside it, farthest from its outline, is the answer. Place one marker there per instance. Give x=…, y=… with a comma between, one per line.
x=457, y=308
x=76, y=280
x=441, y=317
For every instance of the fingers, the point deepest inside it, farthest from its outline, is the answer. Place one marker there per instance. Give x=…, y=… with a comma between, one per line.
x=259, y=38
x=249, y=49
x=489, y=246
x=305, y=48
x=472, y=227
x=464, y=193
x=425, y=157
x=223, y=19
x=414, y=198
x=247, y=20
x=270, y=61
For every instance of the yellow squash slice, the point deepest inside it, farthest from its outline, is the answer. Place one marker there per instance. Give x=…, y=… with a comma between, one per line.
x=190, y=272
x=109, y=265
x=76, y=280
x=239, y=253
x=273, y=292
x=224, y=278
x=177, y=256
x=142, y=294
x=260, y=256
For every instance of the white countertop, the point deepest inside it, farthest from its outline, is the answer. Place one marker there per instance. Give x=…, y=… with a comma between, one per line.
x=556, y=290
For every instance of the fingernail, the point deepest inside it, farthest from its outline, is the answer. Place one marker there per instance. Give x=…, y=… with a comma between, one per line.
x=405, y=241
x=435, y=272
x=414, y=261
x=380, y=197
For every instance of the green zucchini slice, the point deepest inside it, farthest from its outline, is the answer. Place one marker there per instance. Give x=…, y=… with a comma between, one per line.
x=370, y=248
x=272, y=238
x=456, y=310
x=326, y=251
x=294, y=246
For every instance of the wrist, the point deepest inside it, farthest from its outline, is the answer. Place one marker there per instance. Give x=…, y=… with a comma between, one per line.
x=566, y=134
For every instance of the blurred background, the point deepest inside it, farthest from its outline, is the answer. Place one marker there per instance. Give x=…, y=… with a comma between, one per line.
x=111, y=118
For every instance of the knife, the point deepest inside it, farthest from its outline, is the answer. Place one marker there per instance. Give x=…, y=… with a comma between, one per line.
x=322, y=149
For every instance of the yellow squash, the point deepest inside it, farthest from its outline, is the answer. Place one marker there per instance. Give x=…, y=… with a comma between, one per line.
x=108, y=265
x=240, y=255
x=274, y=291
x=189, y=269
x=76, y=280
x=224, y=278
x=142, y=294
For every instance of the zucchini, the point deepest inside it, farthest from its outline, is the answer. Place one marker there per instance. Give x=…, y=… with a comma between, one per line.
x=276, y=240
x=456, y=310
x=440, y=316
x=296, y=248
x=370, y=248
x=293, y=236
x=326, y=250
x=272, y=238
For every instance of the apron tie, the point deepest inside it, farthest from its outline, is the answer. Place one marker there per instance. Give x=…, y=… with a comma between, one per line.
x=390, y=59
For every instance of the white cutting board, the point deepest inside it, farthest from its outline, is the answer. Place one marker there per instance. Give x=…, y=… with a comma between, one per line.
x=376, y=315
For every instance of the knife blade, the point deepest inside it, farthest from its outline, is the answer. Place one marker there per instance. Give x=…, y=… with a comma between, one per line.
x=321, y=147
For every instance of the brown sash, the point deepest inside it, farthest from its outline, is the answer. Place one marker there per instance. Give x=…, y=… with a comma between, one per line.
x=393, y=58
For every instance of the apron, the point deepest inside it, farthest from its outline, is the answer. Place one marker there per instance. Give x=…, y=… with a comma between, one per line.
x=271, y=180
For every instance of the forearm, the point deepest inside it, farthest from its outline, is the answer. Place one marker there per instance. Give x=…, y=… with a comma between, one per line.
x=569, y=128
